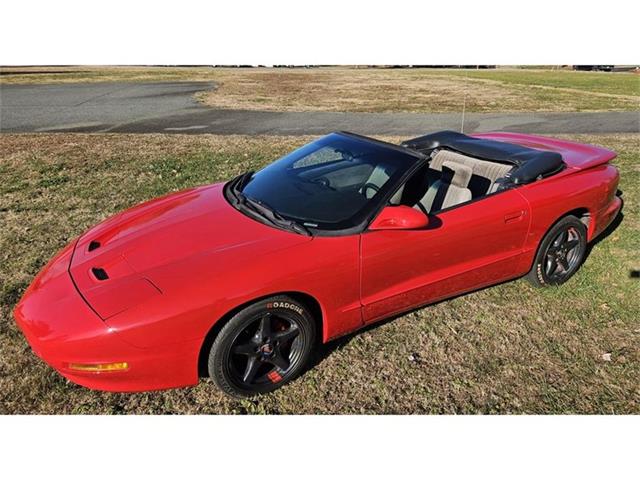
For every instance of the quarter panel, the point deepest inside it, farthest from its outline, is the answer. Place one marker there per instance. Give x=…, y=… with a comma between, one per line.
x=554, y=197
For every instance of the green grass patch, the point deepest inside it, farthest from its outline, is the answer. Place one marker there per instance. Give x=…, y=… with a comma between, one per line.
x=618, y=83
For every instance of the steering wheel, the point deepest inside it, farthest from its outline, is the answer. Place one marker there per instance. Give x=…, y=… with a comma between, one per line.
x=324, y=182
x=371, y=186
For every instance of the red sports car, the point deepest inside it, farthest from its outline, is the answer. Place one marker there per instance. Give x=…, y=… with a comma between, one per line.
x=245, y=278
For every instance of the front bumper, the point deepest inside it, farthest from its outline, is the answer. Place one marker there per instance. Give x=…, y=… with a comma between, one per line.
x=62, y=330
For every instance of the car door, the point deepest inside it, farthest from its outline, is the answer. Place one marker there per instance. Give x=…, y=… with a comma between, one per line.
x=463, y=248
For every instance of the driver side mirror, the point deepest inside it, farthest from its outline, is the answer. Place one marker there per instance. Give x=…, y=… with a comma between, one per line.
x=399, y=218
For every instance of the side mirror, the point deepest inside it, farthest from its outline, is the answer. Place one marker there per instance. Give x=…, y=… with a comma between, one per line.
x=399, y=218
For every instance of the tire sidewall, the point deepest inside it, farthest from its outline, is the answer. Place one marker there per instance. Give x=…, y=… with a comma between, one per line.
x=283, y=306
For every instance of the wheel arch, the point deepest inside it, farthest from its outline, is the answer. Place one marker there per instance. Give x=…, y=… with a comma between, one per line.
x=308, y=300
x=583, y=214
x=535, y=275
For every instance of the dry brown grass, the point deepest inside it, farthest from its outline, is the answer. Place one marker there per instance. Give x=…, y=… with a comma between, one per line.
x=94, y=73
x=415, y=90
x=375, y=90
x=510, y=348
x=353, y=91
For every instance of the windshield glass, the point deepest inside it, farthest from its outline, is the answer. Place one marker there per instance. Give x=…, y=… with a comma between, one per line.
x=329, y=183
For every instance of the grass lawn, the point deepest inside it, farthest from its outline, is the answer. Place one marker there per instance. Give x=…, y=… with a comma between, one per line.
x=510, y=348
x=374, y=89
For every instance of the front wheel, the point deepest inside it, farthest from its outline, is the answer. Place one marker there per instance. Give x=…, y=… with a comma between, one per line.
x=560, y=254
x=262, y=347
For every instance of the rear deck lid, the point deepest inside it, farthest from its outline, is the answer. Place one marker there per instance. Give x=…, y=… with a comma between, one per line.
x=579, y=156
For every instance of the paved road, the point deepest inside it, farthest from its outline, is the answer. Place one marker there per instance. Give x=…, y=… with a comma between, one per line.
x=170, y=108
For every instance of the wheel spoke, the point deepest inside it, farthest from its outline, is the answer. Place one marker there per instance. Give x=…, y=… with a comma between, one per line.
x=265, y=326
x=571, y=244
x=250, y=371
x=279, y=360
x=560, y=238
x=552, y=266
x=564, y=236
x=289, y=334
x=244, y=349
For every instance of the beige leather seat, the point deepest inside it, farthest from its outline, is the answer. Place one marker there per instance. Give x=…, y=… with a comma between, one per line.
x=485, y=173
x=451, y=189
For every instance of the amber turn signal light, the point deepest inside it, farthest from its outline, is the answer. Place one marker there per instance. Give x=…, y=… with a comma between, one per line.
x=99, y=367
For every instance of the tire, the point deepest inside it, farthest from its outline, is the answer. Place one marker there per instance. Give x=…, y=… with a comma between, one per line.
x=560, y=254
x=262, y=347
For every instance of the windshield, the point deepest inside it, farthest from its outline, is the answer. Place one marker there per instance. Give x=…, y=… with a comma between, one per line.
x=328, y=184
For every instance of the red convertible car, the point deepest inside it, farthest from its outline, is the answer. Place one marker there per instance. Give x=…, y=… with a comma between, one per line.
x=243, y=279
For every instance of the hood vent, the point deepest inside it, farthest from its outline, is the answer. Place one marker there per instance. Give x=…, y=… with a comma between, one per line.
x=93, y=245
x=99, y=273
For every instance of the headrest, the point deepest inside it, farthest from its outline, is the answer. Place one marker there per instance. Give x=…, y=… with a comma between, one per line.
x=438, y=157
x=457, y=174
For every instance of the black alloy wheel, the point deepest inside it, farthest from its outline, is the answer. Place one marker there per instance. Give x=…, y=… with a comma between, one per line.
x=560, y=254
x=262, y=347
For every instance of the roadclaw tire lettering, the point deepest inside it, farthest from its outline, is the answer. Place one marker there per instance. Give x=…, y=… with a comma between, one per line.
x=287, y=305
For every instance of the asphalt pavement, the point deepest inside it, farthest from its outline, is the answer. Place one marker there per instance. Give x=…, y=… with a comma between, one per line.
x=170, y=107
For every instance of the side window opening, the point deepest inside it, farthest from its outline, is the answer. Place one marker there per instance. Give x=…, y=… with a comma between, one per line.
x=451, y=179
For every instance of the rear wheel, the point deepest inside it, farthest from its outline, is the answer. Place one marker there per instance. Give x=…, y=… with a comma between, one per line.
x=262, y=347
x=560, y=254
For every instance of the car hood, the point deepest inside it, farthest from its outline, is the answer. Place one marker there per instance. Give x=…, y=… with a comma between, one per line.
x=113, y=264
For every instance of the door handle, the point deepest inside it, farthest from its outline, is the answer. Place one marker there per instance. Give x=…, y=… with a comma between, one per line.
x=514, y=216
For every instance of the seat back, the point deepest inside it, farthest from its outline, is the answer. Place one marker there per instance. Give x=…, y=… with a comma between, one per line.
x=484, y=173
x=451, y=189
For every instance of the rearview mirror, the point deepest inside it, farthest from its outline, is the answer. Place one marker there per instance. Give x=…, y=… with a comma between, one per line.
x=399, y=218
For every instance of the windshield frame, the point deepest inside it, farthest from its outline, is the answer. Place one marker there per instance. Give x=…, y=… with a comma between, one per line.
x=371, y=208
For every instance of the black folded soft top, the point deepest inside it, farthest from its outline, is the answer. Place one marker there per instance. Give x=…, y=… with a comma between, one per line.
x=530, y=164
